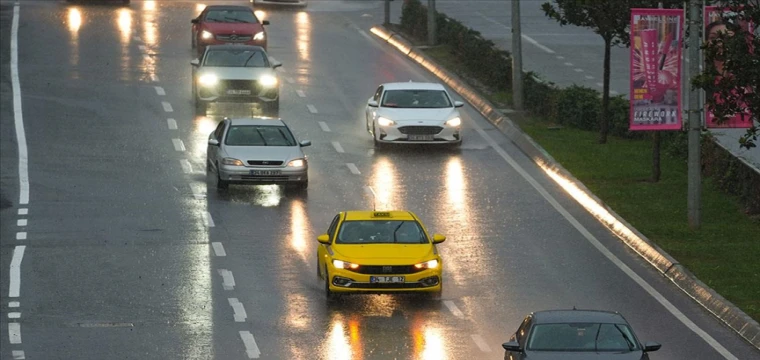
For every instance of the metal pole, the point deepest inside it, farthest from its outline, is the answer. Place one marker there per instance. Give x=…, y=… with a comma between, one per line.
x=517, y=74
x=387, y=12
x=431, y=23
x=695, y=123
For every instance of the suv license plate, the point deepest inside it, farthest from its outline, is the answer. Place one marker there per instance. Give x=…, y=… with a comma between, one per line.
x=238, y=92
x=386, y=279
x=265, y=172
x=420, y=137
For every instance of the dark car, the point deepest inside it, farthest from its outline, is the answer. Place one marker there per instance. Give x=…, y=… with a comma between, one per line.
x=576, y=334
x=227, y=24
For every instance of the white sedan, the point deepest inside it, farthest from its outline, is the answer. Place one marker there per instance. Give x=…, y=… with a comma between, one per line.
x=413, y=113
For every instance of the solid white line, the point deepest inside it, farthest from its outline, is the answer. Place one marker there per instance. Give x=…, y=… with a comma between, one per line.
x=312, y=109
x=23, y=156
x=589, y=77
x=250, y=345
x=14, y=304
x=218, y=249
x=534, y=42
x=18, y=355
x=21, y=222
x=290, y=80
x=14, y=315
x=228, y=281
x=15, y=286
x=23, y=211
x=324, y=126
x=160, y=91
x=453, y=308
x=578, y=70
x=167, y=106
x=178, y=144
x=238, y=309
x=569, y=64
x=353, y=168
x=172, y=124
x=21, y=235
x=481, y=343
x=609, y=255
x=14, y=333
x=209, y=221
x=337, y=147
x=186, y=166
x=300, y=93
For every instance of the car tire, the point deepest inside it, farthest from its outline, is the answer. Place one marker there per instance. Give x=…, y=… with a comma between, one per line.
x=329, y=294
x=221, y=184
x=193, y=41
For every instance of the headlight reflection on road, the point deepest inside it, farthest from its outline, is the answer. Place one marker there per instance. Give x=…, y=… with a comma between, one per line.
x=457, y=221
x=150, y=36
x=203, y=127
x=299, y=225
x=303, y=36
x=74, y=22
x=383, y=183
x=124, y=21
x=199, y=7
x=343, y=343
x=149, y=5
x=428, y=341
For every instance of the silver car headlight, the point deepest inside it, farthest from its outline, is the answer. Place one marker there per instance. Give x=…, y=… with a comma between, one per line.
x=297, y=163
x=454, y=122
x=385, y=122
x=206, y=35
x=268, y=80
x=208, y=80
x=259, y=36
x=432, y=264
x=232, y=161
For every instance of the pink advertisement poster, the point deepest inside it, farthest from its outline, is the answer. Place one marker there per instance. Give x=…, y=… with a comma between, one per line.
x=656, y=36
x=713, y=26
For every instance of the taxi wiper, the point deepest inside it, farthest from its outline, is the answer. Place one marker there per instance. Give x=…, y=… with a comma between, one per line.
x=394, y=232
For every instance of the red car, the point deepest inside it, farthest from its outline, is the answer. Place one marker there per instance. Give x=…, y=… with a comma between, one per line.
x=228, y=24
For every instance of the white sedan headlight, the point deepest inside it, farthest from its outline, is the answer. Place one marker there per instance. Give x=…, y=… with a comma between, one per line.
x=259, y=36
x=297, y=163
x=385, y=122
x=208, y=80
x=231, y=161
x=454, y=122
x=205, y=35
x=432, y=264
x=268, y=80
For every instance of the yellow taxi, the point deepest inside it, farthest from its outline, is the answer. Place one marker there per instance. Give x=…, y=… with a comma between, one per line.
x=379, y=252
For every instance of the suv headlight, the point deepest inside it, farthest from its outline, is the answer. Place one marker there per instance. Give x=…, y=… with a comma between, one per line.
x=208, y=80
x=268, y=80
x=205, y=35
x=297, y=163
x=231, y=161
x=259, y=36
x=340, y=264
x=454, y=122
x=385, y=122
x=432, y=264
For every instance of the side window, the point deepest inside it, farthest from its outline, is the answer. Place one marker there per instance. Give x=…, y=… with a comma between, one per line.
x=219, y=130
x=378, y=92
x=522, y=331
x=333, y=226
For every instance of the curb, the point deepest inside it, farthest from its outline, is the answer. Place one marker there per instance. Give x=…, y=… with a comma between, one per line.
x=728, y=313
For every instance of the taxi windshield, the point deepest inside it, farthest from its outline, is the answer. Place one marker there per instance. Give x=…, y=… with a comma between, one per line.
x=381, y=232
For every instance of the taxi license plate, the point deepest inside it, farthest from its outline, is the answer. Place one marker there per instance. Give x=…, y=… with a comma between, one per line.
x=420, y=137
x=265, y=172
x=386, y=279
x=238, y=92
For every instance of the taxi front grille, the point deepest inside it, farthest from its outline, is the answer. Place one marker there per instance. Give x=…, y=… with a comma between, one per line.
x=387, y=269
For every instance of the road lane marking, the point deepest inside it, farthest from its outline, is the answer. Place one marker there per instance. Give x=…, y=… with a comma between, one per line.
x=290, y=80
x=300, y=93
x=178, y=144
x=146, y=56
x=218, y=249
x=14, y=304
x=14, y=315
x=598, y=245
x=186, y=166
x=208, y=220
x=228, y=281
x=599, y=84
x=198, y=192
x=154, y=77
x=481, y=343
x=18, y=355
x=371, y=152
x=18, y=118
x=172, y=124
x=337, y=147
x=21, y=222
x=238, y=309
x=15, y=286
x=534, y=42
x=578, y=70
x=324, y=126
x=160, y=90
x=23, y=211
x=141, y=47
x=137, y=38
x=569, y=64
x=589, y=77
x=167, y=106
x=368, y=189
x=453, y=308
x=14, y=332
x=312, y=109
x=250, y=345
x=353, y=168
x=21, y=235
x=559, y=57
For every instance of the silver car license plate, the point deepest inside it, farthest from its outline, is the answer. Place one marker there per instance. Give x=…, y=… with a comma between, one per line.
x=386, y=279
x=265, y=172
x=420, y=137
x=238, y=92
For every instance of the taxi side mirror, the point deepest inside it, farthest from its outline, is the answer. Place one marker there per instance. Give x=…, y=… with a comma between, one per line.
x=438, y=238
x=324, y=239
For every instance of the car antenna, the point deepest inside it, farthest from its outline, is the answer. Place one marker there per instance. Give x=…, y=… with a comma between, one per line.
x=374, y=200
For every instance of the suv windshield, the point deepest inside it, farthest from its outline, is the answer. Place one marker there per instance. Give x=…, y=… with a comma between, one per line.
x=416, y=99
x=240, y=16
x=236, y=58
x=582, y=337
x=259, y=135
x=381, y=232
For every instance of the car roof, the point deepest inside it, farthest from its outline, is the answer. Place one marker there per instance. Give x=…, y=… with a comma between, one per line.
x=257, y=120
x=578, y=316
x=379, y=215
x=413, y=86
x=234, y=47
x=228, y=7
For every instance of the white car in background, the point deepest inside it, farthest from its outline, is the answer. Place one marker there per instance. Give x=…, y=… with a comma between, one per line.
x=413, y=113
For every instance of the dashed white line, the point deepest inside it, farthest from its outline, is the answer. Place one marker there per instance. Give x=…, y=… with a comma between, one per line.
x=209, y=221
x=21, y=222
x=324, y=126
x=353, y=168
x=578, y=70
x=23, y=211
x=141, y=47
x=300, y=93
x=312, y=109
x=21, y=235
x=137, y=38
x=14, y=315
x=186, y=166
x=559, y=57
x=18, y=118
x=599, y=84
x=371, y=152
x=534, y=42
x=290, y=80
x=228, y=281
x=146, y=56
x=178, y=144
x=453, y=308
x=198, y=193
x=172, y=124
x=238, y=309
x=154, y=77
x=569, y=64
x=337, y=147
x=250, y=345
x=14, y=333
x=160, y=91
x=218, y=249
x=480, y=343
x=15, y=286
x=14, y=304
x=589, y=77
x=18, y=355
x=167, y=106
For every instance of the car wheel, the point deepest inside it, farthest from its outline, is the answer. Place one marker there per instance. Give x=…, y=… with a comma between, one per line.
x=193, y=40
x=221, y=184
x=329, y=294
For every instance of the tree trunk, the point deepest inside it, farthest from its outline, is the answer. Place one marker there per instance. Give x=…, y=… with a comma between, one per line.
x=604, y=127
x=656, y=157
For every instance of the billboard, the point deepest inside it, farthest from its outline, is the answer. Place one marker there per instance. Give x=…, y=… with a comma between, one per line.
x=656, y=48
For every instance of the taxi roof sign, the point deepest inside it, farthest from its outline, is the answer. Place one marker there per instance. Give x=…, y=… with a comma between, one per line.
x=381, y=214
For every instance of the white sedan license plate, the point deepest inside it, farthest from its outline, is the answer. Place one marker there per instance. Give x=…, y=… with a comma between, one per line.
x=265, y=172
x=238, y=92
x=386, y=279
x=420, y=137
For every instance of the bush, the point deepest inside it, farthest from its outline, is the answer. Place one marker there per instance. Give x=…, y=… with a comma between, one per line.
x=731, y=175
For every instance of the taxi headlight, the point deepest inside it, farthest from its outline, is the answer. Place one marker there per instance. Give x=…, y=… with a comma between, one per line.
x=340, y=264
x=432, y=264
x=268, y=80
x=205, y=35
x=454, y=122
x=231, y=161
x=297, y=163
x=385, y=122
x=208, y=80
x=259, y=36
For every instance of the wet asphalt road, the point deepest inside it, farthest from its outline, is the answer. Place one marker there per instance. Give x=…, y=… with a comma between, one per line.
x=123, y=255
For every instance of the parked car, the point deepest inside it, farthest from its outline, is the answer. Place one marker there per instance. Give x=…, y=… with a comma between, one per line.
x=227, y=24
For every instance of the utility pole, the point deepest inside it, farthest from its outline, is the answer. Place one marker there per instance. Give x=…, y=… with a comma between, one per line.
x=517, y=74
x=695, y=119
x=387, y=12
x=431, y=23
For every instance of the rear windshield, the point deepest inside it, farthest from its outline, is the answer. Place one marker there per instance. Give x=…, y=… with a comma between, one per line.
x=591, y=337
x=259, y=135
x=234, y=16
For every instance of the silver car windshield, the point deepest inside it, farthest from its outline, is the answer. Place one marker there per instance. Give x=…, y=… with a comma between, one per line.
x=239, y=16
x=593, y=337
x=236, y=58
x=259, y=135
x=416, y=99
x=381, y=232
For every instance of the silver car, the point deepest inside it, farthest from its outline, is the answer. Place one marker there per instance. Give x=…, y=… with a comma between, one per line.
x=259, y=151
x=236, y=73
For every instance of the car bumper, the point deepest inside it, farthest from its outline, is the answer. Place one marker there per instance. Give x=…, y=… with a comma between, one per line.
x=221, y=93
x=202, y=43
x=240, y=175
x=345, y=281
x=393, y=134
